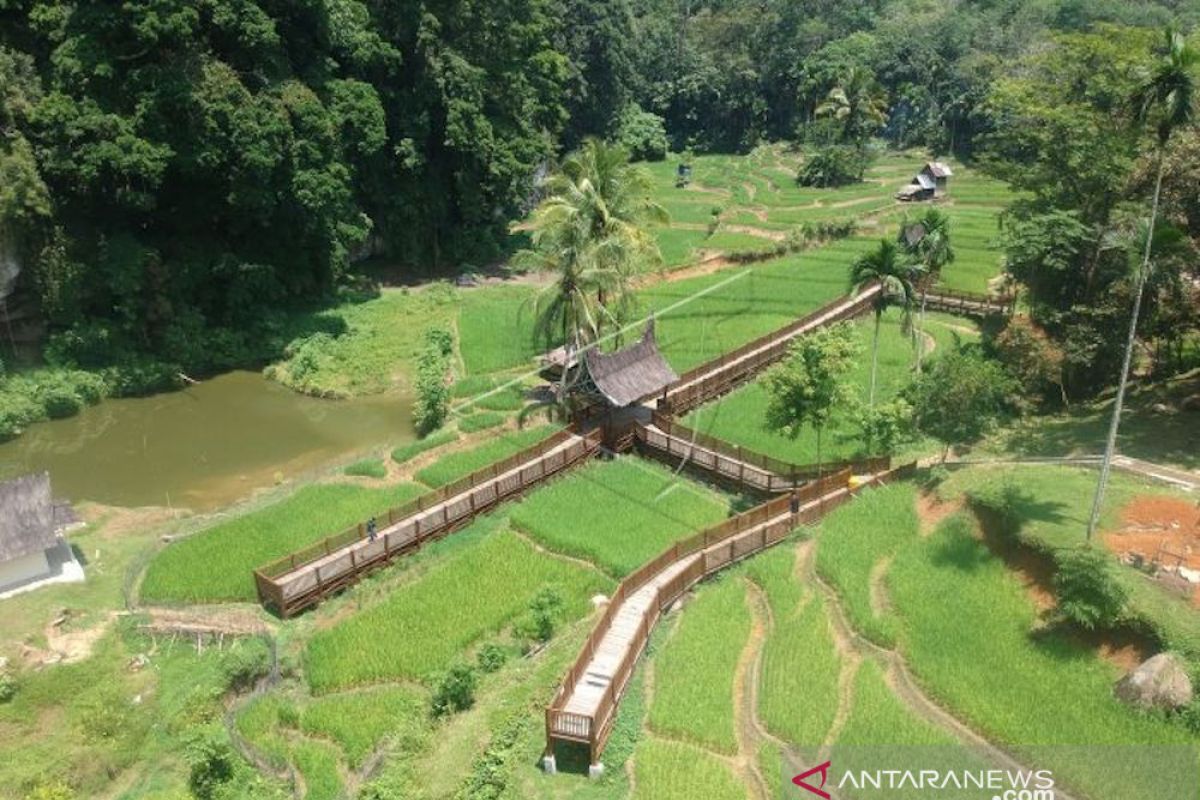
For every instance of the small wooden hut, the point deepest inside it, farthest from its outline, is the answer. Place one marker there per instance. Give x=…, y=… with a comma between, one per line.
x=939, y=174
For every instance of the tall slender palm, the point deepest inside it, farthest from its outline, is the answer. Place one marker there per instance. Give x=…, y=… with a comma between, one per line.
x=858, y=102
x=887, y=266
x=591, y=232
x=1166, y=99
x=932, y=250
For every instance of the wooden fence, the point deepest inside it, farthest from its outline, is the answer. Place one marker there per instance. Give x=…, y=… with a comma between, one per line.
x=733, y=462
x=718, y=376
x=301, y=579
x=718, y=547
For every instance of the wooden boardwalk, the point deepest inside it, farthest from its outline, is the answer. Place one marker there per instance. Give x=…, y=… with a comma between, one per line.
x=716, y=377
x=966, y=303
x=585, y=706
x=735, y=464
x=302, y=580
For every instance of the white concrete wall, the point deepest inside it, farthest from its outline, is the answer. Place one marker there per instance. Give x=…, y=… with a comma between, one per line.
x=23, y=569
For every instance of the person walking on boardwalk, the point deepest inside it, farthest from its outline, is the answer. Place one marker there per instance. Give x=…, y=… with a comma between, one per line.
x=371, y=526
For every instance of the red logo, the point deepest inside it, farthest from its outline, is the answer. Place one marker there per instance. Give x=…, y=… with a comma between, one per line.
x=819, y=791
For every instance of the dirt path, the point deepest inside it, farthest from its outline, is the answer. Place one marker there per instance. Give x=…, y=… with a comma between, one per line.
x=745, y=694
x=931, y=511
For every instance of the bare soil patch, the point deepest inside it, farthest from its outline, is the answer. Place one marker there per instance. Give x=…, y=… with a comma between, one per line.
x=762, y=233
x=1163, y=531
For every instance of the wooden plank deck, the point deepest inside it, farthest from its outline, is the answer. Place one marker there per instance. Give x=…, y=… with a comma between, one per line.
x=333, y=569
x=622, y=637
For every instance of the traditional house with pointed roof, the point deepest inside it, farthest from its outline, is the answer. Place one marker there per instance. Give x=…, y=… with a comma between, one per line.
x=630, y=375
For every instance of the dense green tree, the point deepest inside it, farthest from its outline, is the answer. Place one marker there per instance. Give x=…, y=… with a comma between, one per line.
x=811, y=384
x=958, y=398
x=858, y=103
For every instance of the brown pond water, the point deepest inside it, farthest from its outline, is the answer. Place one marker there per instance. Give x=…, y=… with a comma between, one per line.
x=202, y=447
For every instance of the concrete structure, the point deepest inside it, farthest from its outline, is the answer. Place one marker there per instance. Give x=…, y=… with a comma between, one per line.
x=32, y=550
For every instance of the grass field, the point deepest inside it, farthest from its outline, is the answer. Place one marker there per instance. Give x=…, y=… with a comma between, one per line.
x=359, y=721
x=419, y=628
x=693, y=673
x=855, y=543
x=459, y=465
x=495, y=325
x=877, y=716
x=1051, y=504
x=1057, y=691
x=618, y=514
x=740, y=416
x=216, y=563
x=798, y=658
x=676, y=771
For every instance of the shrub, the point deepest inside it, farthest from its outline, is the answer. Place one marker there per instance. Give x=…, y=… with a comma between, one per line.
x=959, y=398
x=433, y=393
x=210, y=764
x=884, y=426
x=8, y=687
x=1032, y=359
x=1088, y=592
x=244, y=664
x=544, y=609
x=642, y=133
x=834, y=165
x=491, y=657
x=455, y=690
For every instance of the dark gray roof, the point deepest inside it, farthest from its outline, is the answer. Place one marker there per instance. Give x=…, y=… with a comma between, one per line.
x=938, y=169
x=924, y=181
x=627, y=375
x=26, y=516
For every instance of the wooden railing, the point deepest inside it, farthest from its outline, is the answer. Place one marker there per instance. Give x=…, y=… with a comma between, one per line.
x=716, y=377
x=718, y=546
x=303, y=578
x=943, y=299
x=736, y=463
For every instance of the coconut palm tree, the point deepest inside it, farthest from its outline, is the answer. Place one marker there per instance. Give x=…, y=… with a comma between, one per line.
x=1166, y=99
x=887, y=266
x=858, y=102
x=590, y=231
x=932, y=251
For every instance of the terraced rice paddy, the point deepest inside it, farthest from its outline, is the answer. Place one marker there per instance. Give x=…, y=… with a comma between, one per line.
x=216, y=564
x=799, y=635
x=693, y=695
x=461, y=464
x=422, y=626
x=618, y=514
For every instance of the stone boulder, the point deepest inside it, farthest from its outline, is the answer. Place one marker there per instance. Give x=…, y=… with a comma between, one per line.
x=1160, y=682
